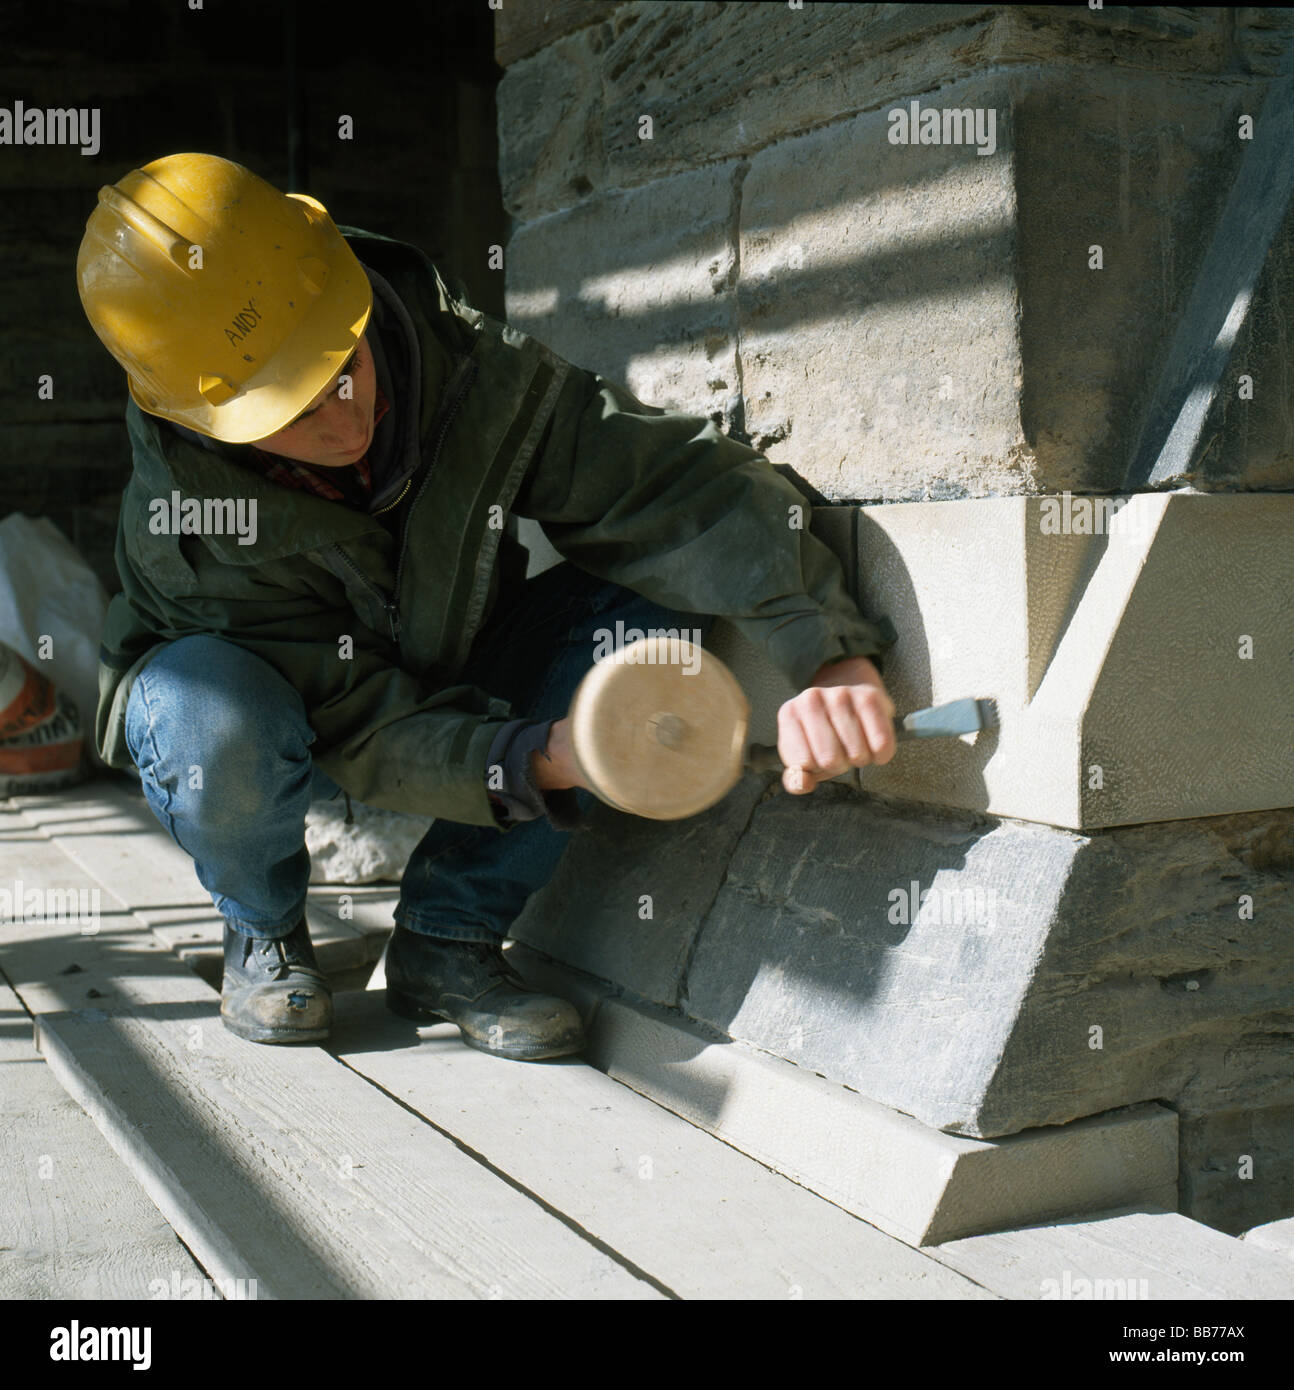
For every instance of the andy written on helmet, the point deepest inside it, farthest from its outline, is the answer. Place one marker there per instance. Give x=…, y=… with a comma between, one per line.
x=229, y=304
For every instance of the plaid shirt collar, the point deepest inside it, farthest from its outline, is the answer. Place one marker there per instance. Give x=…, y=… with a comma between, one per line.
x=289, y=473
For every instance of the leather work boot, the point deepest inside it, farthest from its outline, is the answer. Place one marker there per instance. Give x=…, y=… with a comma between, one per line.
x=273, y=990
x=471, y=984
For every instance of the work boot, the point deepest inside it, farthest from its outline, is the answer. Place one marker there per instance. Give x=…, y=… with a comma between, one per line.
x=273, y=990
x=471, y=984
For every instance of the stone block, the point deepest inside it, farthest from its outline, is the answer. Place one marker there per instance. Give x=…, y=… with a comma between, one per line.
x=1179, y=595
x=889, y=315
x=814, y=950
x=520, y=30
x=726, y=80
x=1106, y=876
x=1114, y=658
x=975, y=1014
x=1236, y=1162
x=900, y=316
x=629, y=894
x=374, y=847
x=987, y=978
x=1262, y=36
x=885, y=1167
x=858, y=294
x=635, y=287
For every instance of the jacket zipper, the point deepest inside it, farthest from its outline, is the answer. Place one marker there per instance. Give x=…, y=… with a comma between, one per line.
x=389, y=602
x=392, y=613
x=468, y=370
x=381, y=510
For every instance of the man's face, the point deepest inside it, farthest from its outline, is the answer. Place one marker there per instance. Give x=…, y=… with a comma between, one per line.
x=332, y=432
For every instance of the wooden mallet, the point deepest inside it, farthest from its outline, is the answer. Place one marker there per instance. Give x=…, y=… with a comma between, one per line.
x=659, y=729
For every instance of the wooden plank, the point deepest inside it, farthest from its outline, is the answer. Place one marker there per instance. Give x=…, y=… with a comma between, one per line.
x=196, y=934
x=73, y=1222
x=193, y=933
x=111, y=833
x=702, y=1218
x=56, y=965
x=63, y=959
x=1275, y=1236
x=15, y=827
x=282, y=1165
x=61, y=965
x=279, y=1163
x=1133, y=1254
x=108, y=830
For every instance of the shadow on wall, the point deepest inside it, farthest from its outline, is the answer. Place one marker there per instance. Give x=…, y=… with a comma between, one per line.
x=598, y=332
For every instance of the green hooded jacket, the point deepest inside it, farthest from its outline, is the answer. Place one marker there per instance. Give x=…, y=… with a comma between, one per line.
x=660, y=502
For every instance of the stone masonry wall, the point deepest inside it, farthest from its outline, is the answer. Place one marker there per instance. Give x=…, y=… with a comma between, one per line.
x=895, y=322
x=905, y=323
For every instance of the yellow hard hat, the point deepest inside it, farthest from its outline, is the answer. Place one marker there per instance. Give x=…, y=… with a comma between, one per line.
x=229, y=304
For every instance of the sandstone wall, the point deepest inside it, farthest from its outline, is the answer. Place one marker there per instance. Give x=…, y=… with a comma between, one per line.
x=896, y=322
x=923, y=325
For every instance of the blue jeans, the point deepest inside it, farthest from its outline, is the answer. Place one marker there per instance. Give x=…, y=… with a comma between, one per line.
x=222, y=743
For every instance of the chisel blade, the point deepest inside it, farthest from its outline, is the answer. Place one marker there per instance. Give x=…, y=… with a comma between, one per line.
x=948, y=721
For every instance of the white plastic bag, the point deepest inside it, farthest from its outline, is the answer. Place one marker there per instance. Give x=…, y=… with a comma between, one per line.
x=48, y=591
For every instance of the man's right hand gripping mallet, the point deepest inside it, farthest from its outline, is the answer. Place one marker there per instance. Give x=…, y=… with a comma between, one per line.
x=659, y=729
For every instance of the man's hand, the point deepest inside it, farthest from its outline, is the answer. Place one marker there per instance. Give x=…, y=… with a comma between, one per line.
x=843, y=719
x=558, y=770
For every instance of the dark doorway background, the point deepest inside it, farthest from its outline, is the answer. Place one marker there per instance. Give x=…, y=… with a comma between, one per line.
x=264, y=84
